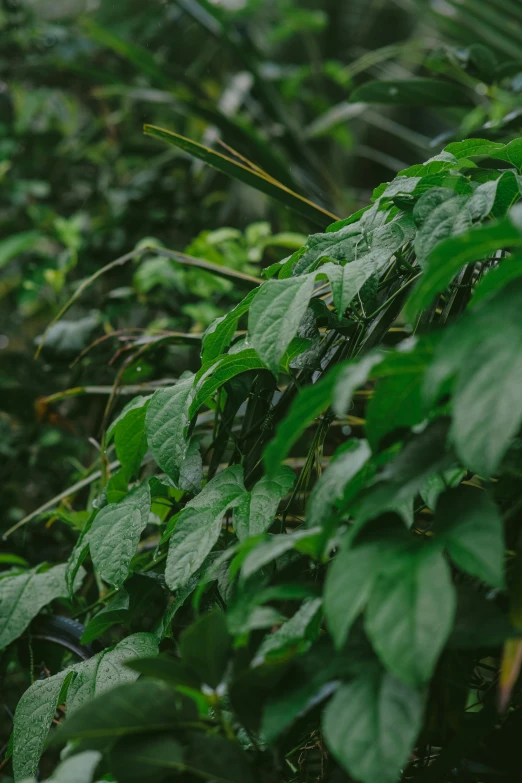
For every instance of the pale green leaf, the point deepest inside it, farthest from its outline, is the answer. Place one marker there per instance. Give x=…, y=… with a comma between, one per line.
x=255, y=513
x=198, y=526
x=32, y=720
x=448, y=258
x=107, y=669
x=351, y=375
x=13, y=246
x=225, y=368
x=79, y=768
x=300, y=630
x=128, y=431
x=116, y=611
x=470, y=148
x=77, y=684
x=219, y=334
x=306, y=407
x=166, y=425
x=331, y=484
x=267, y=551
x=115, y=534
x=275, y=315
x=512, y=153
x=129, y=708
x=22, y=597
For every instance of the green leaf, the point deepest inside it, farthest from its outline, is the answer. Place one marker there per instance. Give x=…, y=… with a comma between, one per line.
x=507, y=193
x=33, y=717
x=346, y=281
x=306, y=407
x=348, y=584
x=511, y=152
x=13, y=246
x=468, y=525
x=211, y=758
x=22, y=597
x=401, y=479
x=78, y=683
x=498, y=277
x=371, y=724
x=256, y=511
x=299, y=631
x=436, y=484
x=167, y=669
x=148, y=758
x=79, y=768
x=128, y=431
x=412, y=92
x=351, y=375
x=248, y=176
x=347, y=461
x=116, y=611
x=480, y=359
x=362, y=245
x=198, y=525
x=312, y=678
x=219, y=334
x=131, y=708
x=225, y=368
x=410, y=613
x=115, y=534
x=275, y=315
x=191, y=471
x=398, y=399
x=439, y=213
x=470, y=148
x=268, y=551
x=446, y=260
x=107, y=669
x=205, y=647
x=166, y=425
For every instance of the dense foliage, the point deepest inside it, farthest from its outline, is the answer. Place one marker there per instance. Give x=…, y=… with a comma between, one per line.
x=297, y=557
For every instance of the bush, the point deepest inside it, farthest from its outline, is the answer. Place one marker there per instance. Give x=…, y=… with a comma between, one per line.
x=319, y=530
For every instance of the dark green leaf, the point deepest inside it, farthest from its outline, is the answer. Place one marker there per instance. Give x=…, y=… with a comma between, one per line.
x=116, y=611
x=371, y=724
x=470, y=528
x=151, y=759
x=410, y=613
x=480, y=358
x=205, y=647
x=131, y=708
x=413, y=92
x=347, y=461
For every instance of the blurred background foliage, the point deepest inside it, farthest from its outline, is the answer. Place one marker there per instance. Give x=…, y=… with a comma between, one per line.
x=286, y=84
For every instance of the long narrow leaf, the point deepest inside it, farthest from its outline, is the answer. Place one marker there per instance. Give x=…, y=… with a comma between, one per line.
x=244, y=174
